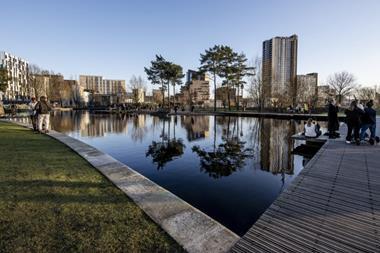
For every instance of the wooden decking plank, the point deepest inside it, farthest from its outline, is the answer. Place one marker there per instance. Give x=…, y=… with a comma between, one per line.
x=296, y=242
x=331, y=210
x=304, y=229
x=333, y=219
x=326, y=203
x=308, y=194
x=361, y=229
x=360, y=197
x=339, y=190
x=282, y=241
x=345, y=240
x=304, y=238
x=333, y=205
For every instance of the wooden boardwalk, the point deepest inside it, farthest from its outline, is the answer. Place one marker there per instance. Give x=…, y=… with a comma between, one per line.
x=332, y=206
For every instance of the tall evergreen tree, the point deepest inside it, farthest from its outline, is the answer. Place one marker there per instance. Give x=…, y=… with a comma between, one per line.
x=211, y=62
x=228, y=69
x=175, y=77
x=157, y=74
x=240, y=71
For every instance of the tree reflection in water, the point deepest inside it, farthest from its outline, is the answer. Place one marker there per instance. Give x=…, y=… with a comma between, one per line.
x=227, y=157
x=167, y=149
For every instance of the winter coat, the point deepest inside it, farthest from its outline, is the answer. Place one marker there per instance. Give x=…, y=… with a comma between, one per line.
x=43, y=107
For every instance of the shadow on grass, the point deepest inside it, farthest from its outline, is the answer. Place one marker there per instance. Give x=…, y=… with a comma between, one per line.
x=64, y=199
x=52, y=183
x=75, y=192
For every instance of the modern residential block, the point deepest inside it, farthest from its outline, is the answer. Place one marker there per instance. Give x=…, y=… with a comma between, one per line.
x=307, y=89
x=279, y=71
x=18, y=88
x=196, y=89
x=92, y=83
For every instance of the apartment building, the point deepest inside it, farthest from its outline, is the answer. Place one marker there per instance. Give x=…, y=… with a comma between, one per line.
x=17, y=69
x=279, y=71
x=307, y=89
x=196, y=89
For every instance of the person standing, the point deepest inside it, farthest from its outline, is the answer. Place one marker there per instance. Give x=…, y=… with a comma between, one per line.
x=353, y=121
x=33, y=113
x=369, y=122
x=13, y=109
x=333, y=123
x=43, y=109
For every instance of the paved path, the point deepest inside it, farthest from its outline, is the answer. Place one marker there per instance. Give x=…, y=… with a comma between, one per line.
x=332, y=206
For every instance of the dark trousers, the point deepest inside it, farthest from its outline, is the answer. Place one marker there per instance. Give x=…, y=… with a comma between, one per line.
x=333, y=126
x=353, y=128
x=372, y=129
x=33, y=119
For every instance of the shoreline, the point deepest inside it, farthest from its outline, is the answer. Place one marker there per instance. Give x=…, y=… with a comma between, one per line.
x=194, y=230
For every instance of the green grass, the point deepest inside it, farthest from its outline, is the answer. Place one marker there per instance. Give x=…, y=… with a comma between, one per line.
x=52, y=200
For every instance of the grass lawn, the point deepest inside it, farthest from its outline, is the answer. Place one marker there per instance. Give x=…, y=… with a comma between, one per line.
x=52, y=200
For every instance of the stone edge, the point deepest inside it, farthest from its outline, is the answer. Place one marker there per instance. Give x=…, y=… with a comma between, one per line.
x=191, y=228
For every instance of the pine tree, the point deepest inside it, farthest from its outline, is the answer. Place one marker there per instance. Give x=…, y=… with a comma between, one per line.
x=175, y=76
x=157, y=74
x=211, y=62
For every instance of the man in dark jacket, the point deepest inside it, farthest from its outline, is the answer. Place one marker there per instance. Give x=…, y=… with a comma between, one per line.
x=369, y=122
x=333, y=123
x=353, y=116
x=43, y=109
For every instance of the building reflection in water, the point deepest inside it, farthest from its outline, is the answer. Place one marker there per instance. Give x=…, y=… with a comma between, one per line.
x=276, y=145
x=139, y=128
x=196, y=127
x=89, y=125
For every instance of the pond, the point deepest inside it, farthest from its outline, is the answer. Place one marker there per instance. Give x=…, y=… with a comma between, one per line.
x=231, y=168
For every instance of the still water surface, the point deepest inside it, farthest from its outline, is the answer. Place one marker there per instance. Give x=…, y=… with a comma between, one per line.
x=228, y=167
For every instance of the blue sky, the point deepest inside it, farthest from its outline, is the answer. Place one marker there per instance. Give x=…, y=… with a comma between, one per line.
x=117, y=39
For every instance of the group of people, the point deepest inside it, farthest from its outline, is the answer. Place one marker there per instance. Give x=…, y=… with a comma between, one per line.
x=359, y=119
x=40, y=114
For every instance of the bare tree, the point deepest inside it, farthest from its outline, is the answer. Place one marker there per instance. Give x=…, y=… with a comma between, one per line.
x=365, y=93
x=58, y=91
x=36, y=81
x=343, y=83
x=135, y=84
x=255, y=83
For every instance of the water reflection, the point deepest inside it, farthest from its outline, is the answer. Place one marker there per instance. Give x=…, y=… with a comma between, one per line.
x=196, y=127
x=167, y=149
x=139, y=129
x=217, y=164
x=227, y=157
x=233, y=141
x=276, y=145
x=89, y=125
